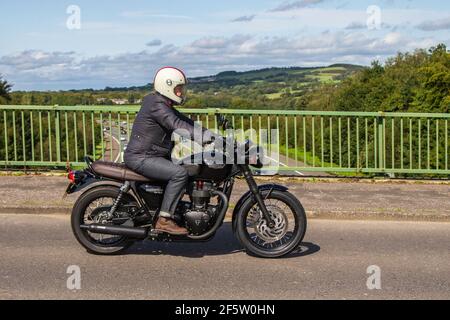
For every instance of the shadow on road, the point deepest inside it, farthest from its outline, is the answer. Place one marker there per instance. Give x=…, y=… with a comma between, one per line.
x=222, y=244
x=305, y=249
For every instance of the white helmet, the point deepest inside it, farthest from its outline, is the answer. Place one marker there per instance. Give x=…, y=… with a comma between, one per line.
x=169, y=78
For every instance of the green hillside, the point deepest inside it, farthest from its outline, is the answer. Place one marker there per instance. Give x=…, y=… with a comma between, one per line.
x=272, y=82
x=416, y=81
x=273, y=88
x=265, y=88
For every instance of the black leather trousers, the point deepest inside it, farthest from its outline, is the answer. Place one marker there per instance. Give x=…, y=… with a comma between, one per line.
x=161, y=169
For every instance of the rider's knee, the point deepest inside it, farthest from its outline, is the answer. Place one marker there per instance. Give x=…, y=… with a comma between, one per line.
x=181, y=174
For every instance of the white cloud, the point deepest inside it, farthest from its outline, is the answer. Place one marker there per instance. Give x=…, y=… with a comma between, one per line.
x=244, y=18
x=393, y=38
x=151, y=14
x=30, y=61
x=288, y=6
x=154, y=43
x=435, y=25
x=356, y=26
x=204, y=56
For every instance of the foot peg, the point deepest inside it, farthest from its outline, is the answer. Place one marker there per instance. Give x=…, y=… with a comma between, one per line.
x=154, y=233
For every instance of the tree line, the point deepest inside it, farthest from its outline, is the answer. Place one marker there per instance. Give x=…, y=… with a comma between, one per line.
x=416, y=81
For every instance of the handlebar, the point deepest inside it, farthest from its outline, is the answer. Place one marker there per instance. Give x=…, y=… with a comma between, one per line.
x=224, y=122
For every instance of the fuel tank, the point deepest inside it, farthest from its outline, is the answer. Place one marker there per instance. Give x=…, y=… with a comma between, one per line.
x=198, y=168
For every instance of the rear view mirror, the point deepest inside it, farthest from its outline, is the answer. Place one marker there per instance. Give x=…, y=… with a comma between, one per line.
x=223, y=122
x=220, y=119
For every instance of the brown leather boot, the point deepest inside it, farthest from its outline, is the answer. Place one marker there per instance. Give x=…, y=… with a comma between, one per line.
x=169, y=226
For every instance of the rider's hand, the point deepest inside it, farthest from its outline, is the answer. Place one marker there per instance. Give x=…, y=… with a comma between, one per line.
x=208, y=141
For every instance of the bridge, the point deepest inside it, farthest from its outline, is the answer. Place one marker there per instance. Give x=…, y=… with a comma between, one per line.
x=305, y=141
x=351, y=225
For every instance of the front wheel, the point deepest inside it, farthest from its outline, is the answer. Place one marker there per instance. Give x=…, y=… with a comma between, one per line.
x=254, y=233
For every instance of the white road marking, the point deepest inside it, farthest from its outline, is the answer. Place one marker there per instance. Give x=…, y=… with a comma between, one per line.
x=118, y=142
x=284, y=165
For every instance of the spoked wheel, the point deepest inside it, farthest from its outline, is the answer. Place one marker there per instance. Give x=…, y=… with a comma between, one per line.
x=97, y=213
x=93, y=207
x=258, y=238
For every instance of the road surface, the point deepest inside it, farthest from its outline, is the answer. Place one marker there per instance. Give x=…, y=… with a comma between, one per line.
x=282, y=161
x=331, y=264
x=112, y=141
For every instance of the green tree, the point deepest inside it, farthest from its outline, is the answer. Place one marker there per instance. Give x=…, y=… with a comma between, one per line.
x=5, y=89
x=433, y=95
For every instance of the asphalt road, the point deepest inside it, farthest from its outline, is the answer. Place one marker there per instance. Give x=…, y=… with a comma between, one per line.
x=331, y=264
x=282, y=161
x=117, y=145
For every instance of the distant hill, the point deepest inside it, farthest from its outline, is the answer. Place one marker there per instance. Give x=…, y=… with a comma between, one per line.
x=264, y=87
x=271, y=82
x=332, y=73
x=276, y=74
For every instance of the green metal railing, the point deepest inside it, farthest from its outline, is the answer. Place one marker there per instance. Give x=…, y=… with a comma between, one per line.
x=308, y=141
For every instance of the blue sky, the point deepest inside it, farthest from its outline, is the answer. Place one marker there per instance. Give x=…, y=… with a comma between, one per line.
x=122, y=43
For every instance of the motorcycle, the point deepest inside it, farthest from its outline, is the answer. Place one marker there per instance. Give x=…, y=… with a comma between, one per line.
x=118, y=207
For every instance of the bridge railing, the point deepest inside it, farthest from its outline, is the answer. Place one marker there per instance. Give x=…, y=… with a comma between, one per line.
x=307, y=141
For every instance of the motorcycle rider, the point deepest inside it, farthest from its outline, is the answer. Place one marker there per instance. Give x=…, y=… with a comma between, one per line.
x=150, y=147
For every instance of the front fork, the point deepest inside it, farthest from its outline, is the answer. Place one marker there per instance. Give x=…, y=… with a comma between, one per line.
x=248, y=175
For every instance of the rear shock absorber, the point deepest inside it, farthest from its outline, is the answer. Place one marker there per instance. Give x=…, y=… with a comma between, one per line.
x=123, y=189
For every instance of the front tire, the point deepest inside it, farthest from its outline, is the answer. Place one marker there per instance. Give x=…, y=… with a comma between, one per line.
x=85, y=238
x=258, y=239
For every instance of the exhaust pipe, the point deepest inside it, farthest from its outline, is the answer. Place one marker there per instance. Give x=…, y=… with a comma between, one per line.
x=135, y=233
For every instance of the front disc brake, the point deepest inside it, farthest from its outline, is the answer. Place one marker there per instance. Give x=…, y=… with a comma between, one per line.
x=278, y=231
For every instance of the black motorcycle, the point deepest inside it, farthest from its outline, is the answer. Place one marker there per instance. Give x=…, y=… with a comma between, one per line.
x=118, y=206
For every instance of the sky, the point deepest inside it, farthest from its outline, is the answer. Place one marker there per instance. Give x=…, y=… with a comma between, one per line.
x=60, y=45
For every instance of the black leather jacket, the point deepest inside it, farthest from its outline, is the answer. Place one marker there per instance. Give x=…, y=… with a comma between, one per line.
x=154, y=125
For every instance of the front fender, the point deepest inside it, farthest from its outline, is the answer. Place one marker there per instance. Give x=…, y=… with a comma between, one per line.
x=261, y=188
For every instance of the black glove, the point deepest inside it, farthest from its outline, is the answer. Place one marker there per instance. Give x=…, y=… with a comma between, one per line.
x=206, y=142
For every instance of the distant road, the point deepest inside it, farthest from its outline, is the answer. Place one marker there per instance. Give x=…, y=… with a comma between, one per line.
x=283, y=161
x=117, y=145
x=331, y=264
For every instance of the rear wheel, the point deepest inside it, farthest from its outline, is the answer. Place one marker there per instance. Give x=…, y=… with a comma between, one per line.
x=93, y=207
x=258, y=238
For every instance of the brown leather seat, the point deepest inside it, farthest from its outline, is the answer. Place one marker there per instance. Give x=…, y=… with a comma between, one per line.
x=117, y=171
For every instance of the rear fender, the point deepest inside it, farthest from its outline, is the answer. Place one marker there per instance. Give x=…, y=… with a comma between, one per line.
x=91, y=183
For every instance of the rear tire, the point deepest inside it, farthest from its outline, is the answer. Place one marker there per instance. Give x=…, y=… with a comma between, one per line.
x=297, y=234
x=78, y=215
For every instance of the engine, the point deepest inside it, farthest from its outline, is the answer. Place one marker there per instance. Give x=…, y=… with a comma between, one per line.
x=200, y=216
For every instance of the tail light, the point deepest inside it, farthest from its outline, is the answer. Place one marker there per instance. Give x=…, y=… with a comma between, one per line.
x=76, y=176
x=71, y=177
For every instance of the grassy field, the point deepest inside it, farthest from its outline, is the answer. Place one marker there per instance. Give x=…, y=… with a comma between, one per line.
x=273, y=83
